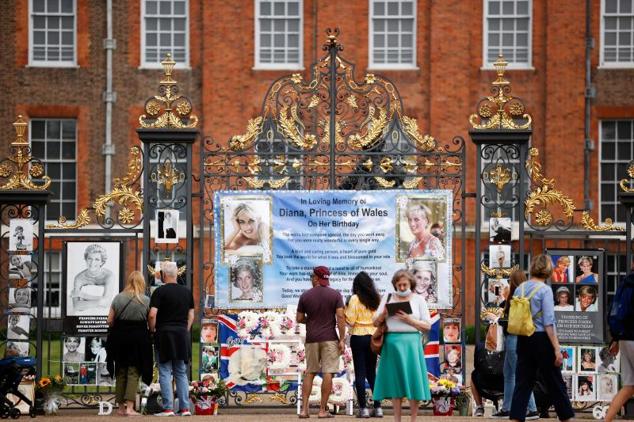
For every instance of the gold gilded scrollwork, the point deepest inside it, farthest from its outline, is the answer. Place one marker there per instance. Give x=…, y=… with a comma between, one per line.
x=376, y=123
x=625, y=184
x=288, y=127
x=424, y=143
x=21, y=168
x=498, y=272
x=543, y=194
x=500, y=176
x=181, y=269
x=501, y=111
x=242, y=142
x=588, y=223
x=384, y=183
x=167, y=175
x=168, y=109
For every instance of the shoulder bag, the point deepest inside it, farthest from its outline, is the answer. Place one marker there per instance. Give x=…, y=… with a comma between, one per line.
x=376, y=342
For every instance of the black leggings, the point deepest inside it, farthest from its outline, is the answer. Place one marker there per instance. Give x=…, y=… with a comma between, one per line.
x=536, y=353
x=364, y=367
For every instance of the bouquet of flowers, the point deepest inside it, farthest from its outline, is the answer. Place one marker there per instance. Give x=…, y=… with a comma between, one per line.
x=287, y=325
x=205, y=394
x=444, y=388
x=248, y=324
x=269, y=324
x=51, y=389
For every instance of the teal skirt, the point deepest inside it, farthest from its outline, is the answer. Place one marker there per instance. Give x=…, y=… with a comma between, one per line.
x=402, y=370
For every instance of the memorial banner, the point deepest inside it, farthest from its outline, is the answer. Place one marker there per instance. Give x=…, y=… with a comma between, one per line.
x=578, y=285
x=268, y=243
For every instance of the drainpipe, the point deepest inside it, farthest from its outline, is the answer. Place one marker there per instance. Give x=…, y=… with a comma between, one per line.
x=590, y=93
x=109, y=97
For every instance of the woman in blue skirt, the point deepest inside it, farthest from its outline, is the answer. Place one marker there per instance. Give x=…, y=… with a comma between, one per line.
x=402, y=371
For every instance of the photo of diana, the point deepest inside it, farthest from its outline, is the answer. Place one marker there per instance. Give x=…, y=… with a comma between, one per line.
x=586, y=299
x=563, y=298
x=246, y=280
x=247, y=227
x=416, y=239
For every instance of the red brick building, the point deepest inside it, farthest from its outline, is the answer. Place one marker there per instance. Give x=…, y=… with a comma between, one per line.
x=438, y=54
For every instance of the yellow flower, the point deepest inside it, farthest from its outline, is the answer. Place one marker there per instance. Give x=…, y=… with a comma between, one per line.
x=45, y=382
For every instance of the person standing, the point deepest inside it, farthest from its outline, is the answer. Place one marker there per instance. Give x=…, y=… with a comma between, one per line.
x=321, y=309
x=624, y=341
x=540, y=351
x=402, y=370
x=364, y=301
x=129, y=348
x=171, y=317
x=510, y=359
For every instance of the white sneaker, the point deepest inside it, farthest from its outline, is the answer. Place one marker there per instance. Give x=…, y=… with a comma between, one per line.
x=165, y=412
x=184, y=413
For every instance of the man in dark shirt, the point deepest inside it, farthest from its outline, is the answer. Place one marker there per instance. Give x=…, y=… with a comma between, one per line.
x=171, y=317
x=321, y=308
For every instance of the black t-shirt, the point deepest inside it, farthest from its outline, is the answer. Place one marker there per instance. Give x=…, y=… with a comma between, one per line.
x=173, y=302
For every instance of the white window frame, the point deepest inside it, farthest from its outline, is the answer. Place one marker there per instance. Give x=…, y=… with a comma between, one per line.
x=614, y=161
x=485, y=40
x=61, y=161
x=602, y=62
x=157, y=65
x=391, y=66
x=277, y=66
x=48, y=310
x=51, y=63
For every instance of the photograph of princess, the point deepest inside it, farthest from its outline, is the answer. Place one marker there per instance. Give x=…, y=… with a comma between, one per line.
x=585, y=389
x=247, y=227
x=563, y=299
x=560, y=269
x=587, y=276
x=587, y=360
x=586, y=299
x=20, y=234
x=415, y=237
x=424, y=271
x=246, y=280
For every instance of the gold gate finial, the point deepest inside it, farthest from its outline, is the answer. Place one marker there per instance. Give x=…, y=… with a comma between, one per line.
x=168, y=109
x=20, y=168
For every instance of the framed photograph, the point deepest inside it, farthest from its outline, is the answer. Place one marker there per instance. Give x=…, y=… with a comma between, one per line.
x=71, y=373
x=20, y=235
x=16, y=349
x=585, y=388
x=210, y=301
x=570, y=358
x=247, y=227
x=20, y=299
x=246, y=280
x=451, y=330
x=587, y=360
x=210, y=358
x=18, y=326
x=564, y=297
x=586, y=298
x=247, y=364
x=27, y=388
x=587, y=270
x=452, y=358
x=426, y=275
x=500, y=230
x=96, y=352
x=87, y=373
x=608, y=386
x=21, y=266
x=209, y=331
x=92, y=277
x=607, y=362
x=285, y=357
x=452, y=374
x=497, y=291
x=563, y=270
x=499, y=256
x=421, y=228
x=166, y=226
x=74, y=350
x=570, y=388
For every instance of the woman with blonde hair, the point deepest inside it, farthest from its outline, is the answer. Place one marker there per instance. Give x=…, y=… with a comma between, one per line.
x=424, y=243
x=129, y=346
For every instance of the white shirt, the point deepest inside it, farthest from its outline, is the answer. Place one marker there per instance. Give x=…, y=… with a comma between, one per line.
x=420, y=312
x=564, y=308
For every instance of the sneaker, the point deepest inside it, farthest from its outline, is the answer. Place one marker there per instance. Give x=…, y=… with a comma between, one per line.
x=479, y=412
x=378, y=412
x=531, y=416
x=363, y=413
x=184, y=412
x=501, y=414
x=166, y=412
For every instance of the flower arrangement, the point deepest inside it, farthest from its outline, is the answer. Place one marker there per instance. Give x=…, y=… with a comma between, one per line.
x=269, y=324
x=444, y=388
x=248, y=323
x=287, y=325
x=208, y=386
x=48, y=385
x=278, y=356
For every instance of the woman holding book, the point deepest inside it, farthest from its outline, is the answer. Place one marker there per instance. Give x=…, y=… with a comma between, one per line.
x=402, y=359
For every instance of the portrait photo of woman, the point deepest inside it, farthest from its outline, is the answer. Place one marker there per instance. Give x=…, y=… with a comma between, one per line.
x=586, y=299
x=424, y=271
x=453, y=358
x=608, y=387
x=209, y=361
x=585, y=388
x=20, y=299
x=20, y=235
x=74, y=349
x=586, y=274
x=587, y=360
x=247, y=227
x=499, y=256
x=561, y=266
x=415, y=237
x=18, y=327
x=209, y=331
x=246, y=280
x=96, y=352
x=607, y=362
x=20, y=266
x=563, y=298
x=92, y=284
x=16, y=349
x=166, y=226
x=500, y=230
x=451, y=330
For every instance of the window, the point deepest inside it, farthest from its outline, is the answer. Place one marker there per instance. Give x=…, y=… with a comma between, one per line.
x=52, y=285
x=278, y=34
x=52, y=33
x=507, y=31
x=164, y=30
x=617, y=46
x=616, y=152
x=54, y=141
x=393, y=34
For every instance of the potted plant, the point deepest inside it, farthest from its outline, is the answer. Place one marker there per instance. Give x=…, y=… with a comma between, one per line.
x=205, y=394
x=443, y=394
x=51, y=388
x=462, y=402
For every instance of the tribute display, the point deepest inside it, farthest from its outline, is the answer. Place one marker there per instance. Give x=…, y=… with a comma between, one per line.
x=270, y=241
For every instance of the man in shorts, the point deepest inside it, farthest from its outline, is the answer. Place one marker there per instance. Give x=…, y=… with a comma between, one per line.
x=321, y=309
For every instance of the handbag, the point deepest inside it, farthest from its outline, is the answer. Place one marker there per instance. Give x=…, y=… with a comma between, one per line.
x=376, y=341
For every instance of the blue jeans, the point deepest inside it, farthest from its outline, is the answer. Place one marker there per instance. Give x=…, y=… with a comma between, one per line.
x=179, y=370
x=510, y=364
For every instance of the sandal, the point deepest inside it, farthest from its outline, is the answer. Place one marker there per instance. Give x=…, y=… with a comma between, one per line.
x=327, y=416
x=302, y=416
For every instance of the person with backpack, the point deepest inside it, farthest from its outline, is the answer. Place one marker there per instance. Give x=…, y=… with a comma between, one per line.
x=621, y=322
x=532, y=319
